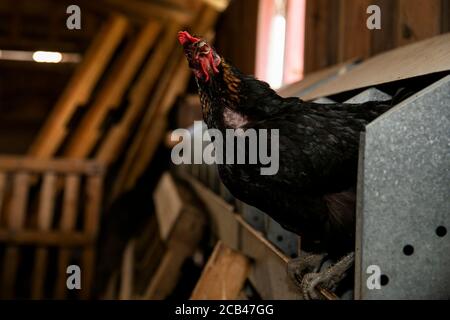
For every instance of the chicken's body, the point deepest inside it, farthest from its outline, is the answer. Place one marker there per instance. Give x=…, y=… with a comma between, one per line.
x=314, y=191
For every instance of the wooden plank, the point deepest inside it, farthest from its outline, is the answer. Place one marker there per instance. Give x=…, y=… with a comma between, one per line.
x=424, y=57
x=315, y=79
x=149, y=251
x=80, y=86
x=31, y=164
x=127, y=272
x=15, y=222
x=354, y=36
x=67, y=224
x=183, y=241
x=117, y=136
x=222, y=217
x=223, y=276
x=168, y=205
x=45, y=217
x=268, y=273
x=414, y=24
x=50, y=238
x=88, y=132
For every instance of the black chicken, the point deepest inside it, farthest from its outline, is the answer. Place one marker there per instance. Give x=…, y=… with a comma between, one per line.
x=313, y=193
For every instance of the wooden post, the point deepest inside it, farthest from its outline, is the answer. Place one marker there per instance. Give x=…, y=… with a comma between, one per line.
x=67, y=224
x=45, y=218
x=15, y=222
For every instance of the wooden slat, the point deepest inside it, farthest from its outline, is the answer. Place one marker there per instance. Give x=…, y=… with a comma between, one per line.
x=223, y=276
x=127, y=272
x=67, y=224
x=80, y=86
x=15, y=222
x=424, y=57
x=315, y=79
x=45, y=217
x=94, y=190
x=31, y=164
x=88, y=132
x=117, y=136
x=50, y=238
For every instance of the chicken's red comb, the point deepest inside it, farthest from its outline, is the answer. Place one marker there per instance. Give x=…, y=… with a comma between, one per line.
x=184, y=37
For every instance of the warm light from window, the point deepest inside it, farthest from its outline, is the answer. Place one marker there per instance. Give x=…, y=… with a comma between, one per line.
x=47, y=56
x=276, y=51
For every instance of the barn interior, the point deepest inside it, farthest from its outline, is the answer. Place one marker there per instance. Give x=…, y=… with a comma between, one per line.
x=91, y=92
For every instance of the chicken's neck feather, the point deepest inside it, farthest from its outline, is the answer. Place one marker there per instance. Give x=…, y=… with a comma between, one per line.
x=233, y=95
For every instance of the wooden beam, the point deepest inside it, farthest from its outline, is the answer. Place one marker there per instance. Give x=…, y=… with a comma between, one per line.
x=152, y=127
x=110, y=148
x=88, y=131
x=80, y=87
x=31, y=164
x=223, y=276
x=147, y=9
x=50, y=238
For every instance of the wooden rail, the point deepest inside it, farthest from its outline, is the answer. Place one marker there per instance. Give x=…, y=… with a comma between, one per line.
x=32, y=216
